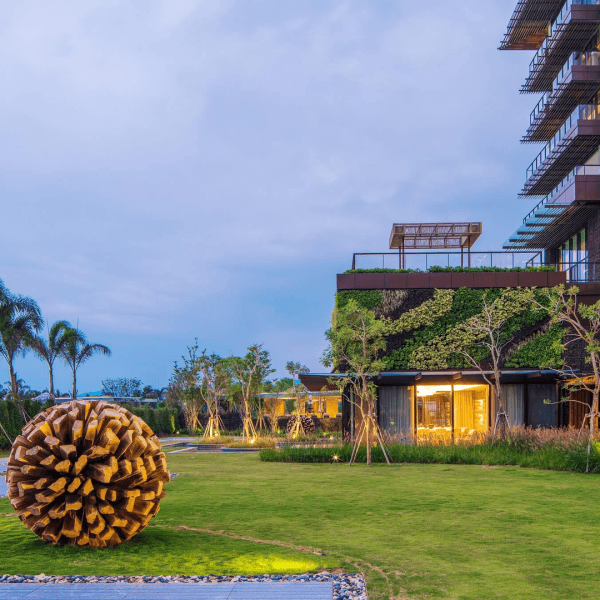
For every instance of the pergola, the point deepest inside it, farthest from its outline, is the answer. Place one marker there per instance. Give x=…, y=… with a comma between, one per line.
x=434, y=236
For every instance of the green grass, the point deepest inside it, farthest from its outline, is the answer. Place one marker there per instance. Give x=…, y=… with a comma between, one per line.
x=417, y=531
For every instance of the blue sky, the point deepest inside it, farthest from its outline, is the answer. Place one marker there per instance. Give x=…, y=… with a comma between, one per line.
x=173, y=169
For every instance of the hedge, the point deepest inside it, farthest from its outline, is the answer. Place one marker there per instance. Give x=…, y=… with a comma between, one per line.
x=161, y=420
x=12, y=420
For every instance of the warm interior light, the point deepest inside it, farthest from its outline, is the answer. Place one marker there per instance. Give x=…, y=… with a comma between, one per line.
x=430, y=390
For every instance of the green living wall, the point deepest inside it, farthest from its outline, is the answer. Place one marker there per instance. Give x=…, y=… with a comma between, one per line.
x=417, y=334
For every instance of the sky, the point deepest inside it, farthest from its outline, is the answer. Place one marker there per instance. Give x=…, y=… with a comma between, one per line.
x=181, y=169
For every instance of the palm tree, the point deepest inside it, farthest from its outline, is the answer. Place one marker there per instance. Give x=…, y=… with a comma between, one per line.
x=77, y=350
x=50, y=349
x=21, y=387
x=20, y=318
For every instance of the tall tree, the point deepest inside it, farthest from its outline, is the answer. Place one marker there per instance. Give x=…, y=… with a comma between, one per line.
x=78, y=350
x=298, y=390
x=295, y=368
x=184, y=389
x=123, y=387
x=50, y=348
x=278, y=385
x=250, y=373
x=20, y=319
x=214, y=381
x=21, y=387
x=581, y=327
x=356, y=342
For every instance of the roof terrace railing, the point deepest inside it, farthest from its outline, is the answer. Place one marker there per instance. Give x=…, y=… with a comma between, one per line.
x=423, y=261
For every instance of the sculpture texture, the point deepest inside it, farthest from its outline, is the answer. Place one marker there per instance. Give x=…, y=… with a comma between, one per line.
x=86, y=473
x=300, y=424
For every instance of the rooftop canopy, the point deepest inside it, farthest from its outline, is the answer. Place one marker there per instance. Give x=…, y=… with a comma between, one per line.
x=427, y=236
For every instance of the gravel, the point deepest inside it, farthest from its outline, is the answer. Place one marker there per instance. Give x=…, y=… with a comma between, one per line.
x=348, y=586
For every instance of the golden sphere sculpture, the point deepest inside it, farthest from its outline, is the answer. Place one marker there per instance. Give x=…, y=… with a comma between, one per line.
x=86, y=473
x=307, y=425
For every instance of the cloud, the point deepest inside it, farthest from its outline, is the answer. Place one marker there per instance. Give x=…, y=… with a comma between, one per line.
x=165, y=161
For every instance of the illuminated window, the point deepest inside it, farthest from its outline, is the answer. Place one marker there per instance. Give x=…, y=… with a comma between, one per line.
x=451, y=412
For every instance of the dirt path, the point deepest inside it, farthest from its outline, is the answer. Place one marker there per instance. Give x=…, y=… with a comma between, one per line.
x=360, y=565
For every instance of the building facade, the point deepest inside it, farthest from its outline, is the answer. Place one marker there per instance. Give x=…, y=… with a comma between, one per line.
x=563, y=180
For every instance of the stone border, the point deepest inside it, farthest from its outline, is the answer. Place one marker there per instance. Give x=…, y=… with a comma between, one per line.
x=348, y=586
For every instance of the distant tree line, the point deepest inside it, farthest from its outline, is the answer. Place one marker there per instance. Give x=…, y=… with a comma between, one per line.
x=209, y=383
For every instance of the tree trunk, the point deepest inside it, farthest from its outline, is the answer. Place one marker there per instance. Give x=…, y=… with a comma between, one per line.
x=368, y=430
x=502, y=421
x=51, y=385
x=74, y=394
x=593, y=417
x=13, y=378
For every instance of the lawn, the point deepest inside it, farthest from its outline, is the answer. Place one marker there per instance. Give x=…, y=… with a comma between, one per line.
x=417, y=531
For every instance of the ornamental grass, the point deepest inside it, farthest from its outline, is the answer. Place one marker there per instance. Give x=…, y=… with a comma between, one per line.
x=552, y=449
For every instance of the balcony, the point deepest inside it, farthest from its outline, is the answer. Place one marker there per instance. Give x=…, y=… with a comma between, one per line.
x=575, y=84
x=572, y=29
x=562, y=213
x=528, y=25
x=572, y=145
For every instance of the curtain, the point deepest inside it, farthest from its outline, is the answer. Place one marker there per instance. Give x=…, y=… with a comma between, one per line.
x=514, y=400
x=464, y=410
x=395, y=409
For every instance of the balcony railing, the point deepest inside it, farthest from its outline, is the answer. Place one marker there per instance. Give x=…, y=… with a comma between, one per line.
x=581, y=272
x=540, y=55
x=583, y=170
x=576, y=58
x=582, y=112
x=423, y=261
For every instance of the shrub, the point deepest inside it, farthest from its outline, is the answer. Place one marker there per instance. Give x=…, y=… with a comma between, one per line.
x=259, y=443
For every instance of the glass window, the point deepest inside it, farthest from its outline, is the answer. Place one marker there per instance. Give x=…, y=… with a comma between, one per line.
x=445, y=412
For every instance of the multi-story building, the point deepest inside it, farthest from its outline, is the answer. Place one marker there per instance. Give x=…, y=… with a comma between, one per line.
x=563, y=180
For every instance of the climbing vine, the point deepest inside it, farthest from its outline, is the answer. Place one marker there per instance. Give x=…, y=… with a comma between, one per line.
x=366, y=298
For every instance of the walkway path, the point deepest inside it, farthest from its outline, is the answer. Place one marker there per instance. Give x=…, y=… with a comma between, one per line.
x=3, y=486
x=174, y=591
